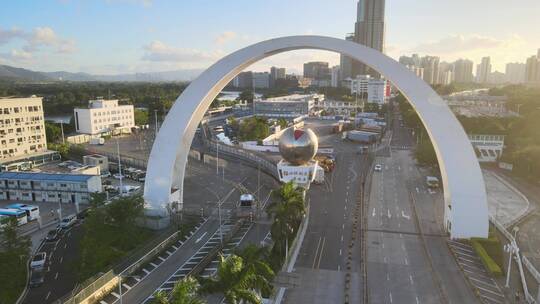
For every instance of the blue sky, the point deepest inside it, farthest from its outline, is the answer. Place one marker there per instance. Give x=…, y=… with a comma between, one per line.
x=124, y=36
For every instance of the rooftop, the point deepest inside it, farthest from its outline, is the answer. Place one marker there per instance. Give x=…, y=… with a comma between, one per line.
x=45, y=176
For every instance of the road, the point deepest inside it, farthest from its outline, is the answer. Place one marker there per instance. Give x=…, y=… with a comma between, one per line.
x=408, y=260
x=323, y=255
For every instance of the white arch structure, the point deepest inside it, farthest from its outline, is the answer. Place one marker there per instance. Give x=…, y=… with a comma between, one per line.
x=466, y=212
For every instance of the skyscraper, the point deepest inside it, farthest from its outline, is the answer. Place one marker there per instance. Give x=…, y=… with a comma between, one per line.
x=463, y=70
x=346, y=62
x=431, y=69
x=532, y=69
x=369, y=31
x=319, y=72
x=515, y=72
x=483, y=70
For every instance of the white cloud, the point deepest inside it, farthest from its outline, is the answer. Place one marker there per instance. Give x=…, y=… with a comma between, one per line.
x=16, y=56
x=160, y=52
x=225, y=37
x=10, y=34
x=39, y=37
x=459, y=43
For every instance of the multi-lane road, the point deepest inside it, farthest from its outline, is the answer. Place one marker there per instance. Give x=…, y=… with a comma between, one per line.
x=408, y=260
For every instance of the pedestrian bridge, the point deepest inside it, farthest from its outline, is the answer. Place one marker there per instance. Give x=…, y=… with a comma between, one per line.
x=466, y=212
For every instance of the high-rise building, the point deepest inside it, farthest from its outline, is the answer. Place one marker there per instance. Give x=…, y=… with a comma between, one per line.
x=22, y=128
x=346, y=62
x=369, y=88
x=277, y=73
x=261, y=80
x=483, y=70
x=532, y=70
x=369, y=31
x=515, y=72
x=446, y=74
x=431, y=69
x=319, y=72
x=463, y=70
x=335, y=76
x=244, y=80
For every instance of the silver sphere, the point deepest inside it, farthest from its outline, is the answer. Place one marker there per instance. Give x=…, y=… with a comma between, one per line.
x=298, y=146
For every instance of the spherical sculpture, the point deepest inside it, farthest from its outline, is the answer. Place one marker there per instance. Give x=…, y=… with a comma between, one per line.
x=298, y=146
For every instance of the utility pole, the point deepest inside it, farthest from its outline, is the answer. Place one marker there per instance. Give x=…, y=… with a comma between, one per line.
x=119, y=167
x=155, y=118
x=62, y=129
x=217, y=158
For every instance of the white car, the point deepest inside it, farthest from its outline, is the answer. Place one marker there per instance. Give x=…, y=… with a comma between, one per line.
x=39, y=260
x=378, y=167
x=68, y=221
x=118, y=176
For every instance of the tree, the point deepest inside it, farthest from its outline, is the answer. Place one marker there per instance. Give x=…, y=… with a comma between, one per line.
x=255, y=260
x=282, y=123
x=52, y=132
x=185, y=291
x=247, y=96
x=141, y=117
x=238, y=283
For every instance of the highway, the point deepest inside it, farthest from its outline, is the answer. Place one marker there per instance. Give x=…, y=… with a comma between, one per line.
x=323, y=255
x=408, y=260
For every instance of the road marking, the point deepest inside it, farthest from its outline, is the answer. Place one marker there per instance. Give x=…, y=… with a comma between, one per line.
x=342, y=237
x=345, y=207
x=126, y=286
x=48, y=295
x=417, y=302
x=316, y=252
x=387, y=276
x=162, y=259
x=340, y=252
x=338, y=267
x=321, y=253
x=342, y=226
x=390, y=294
x=61, y=260
x=410, y=279
x=406, y=261
x=389, y=215
x=56, y=276
x=417, y=191
x=115, y=294
x=200, y=238
x=153, y=264
x=408, y=217
x=373, y=213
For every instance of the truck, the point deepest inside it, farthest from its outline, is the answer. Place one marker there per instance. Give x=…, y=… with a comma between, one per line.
x=319, y=175
x=362, y=136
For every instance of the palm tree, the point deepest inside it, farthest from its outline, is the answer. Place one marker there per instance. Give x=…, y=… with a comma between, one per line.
x=184, y=292
x=238, y=283
x=288, y=209
x=255, y=261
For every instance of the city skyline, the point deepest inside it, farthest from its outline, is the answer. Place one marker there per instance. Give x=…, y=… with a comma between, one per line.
x=136, y=36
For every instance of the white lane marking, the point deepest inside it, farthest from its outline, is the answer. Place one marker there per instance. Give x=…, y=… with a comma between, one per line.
x=338, y=267
x=342, y=237
x=162, y=259
x=48, y=295
x=153, y=264
x=126, y=286
x=410, y=279
x=373, y=213
x=406, y=261
x=417, y=301
x=408, y=217
x=390, y=297
x=56, y=276
x=417, y=191
x=340, y=252
x=200, y=238
x=145, y=271
x=342, y=226
x=61, y=260
x=389, y=215
x=387, y=276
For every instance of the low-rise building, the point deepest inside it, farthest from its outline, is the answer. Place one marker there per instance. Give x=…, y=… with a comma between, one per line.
x=289, y=106
x=48, y=187
x=97, y=160
x=104, y=116
x=373, y=90
x=488, y=148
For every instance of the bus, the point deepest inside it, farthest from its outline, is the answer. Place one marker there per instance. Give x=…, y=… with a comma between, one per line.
x=19, y=214
x=15, y=167
x=32, y=212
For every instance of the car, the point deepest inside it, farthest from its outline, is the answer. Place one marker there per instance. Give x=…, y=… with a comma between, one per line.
x=39, y=260
x=378, y=167
x=52, y=235
x=118, y=176
x=37, y=278
x=105, y=174
x=68, y=221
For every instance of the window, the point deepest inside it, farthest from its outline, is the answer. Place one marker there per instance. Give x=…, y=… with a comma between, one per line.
x=63, y=185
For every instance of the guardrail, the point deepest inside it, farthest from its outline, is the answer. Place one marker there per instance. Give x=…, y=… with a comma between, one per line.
x=96, y=284
x=521, y=260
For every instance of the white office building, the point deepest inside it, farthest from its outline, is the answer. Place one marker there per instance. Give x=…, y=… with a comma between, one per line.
x=48, y=187
x=371, y=89
x=104, y=116
x=290, y=106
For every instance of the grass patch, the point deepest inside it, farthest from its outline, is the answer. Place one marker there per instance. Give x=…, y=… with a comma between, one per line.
x=490, y=251
x=12, y=277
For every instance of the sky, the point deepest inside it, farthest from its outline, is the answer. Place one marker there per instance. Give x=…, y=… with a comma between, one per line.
x=128, y=36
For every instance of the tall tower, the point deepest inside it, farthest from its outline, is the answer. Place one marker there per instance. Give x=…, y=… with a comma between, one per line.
x=483, y=70
x=369, y=31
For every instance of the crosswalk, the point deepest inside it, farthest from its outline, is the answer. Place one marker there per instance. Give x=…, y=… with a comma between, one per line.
x=488, y=290
x=210, y=244
x=139, y=275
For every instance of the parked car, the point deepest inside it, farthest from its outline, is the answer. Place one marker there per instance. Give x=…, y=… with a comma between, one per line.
x=37, y=278
x=118, y=176
x=52, y=235
x=378, y=167
x=39, y=260
x=68, y=221
x=105, y=174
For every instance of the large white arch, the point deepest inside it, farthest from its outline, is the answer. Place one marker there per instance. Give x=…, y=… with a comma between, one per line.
x=461, y=175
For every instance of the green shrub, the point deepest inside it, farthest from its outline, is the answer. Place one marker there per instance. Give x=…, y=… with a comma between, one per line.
x=488, y=262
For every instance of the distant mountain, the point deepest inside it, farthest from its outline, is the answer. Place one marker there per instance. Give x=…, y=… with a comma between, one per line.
x=13, y=73
x=19, y=74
